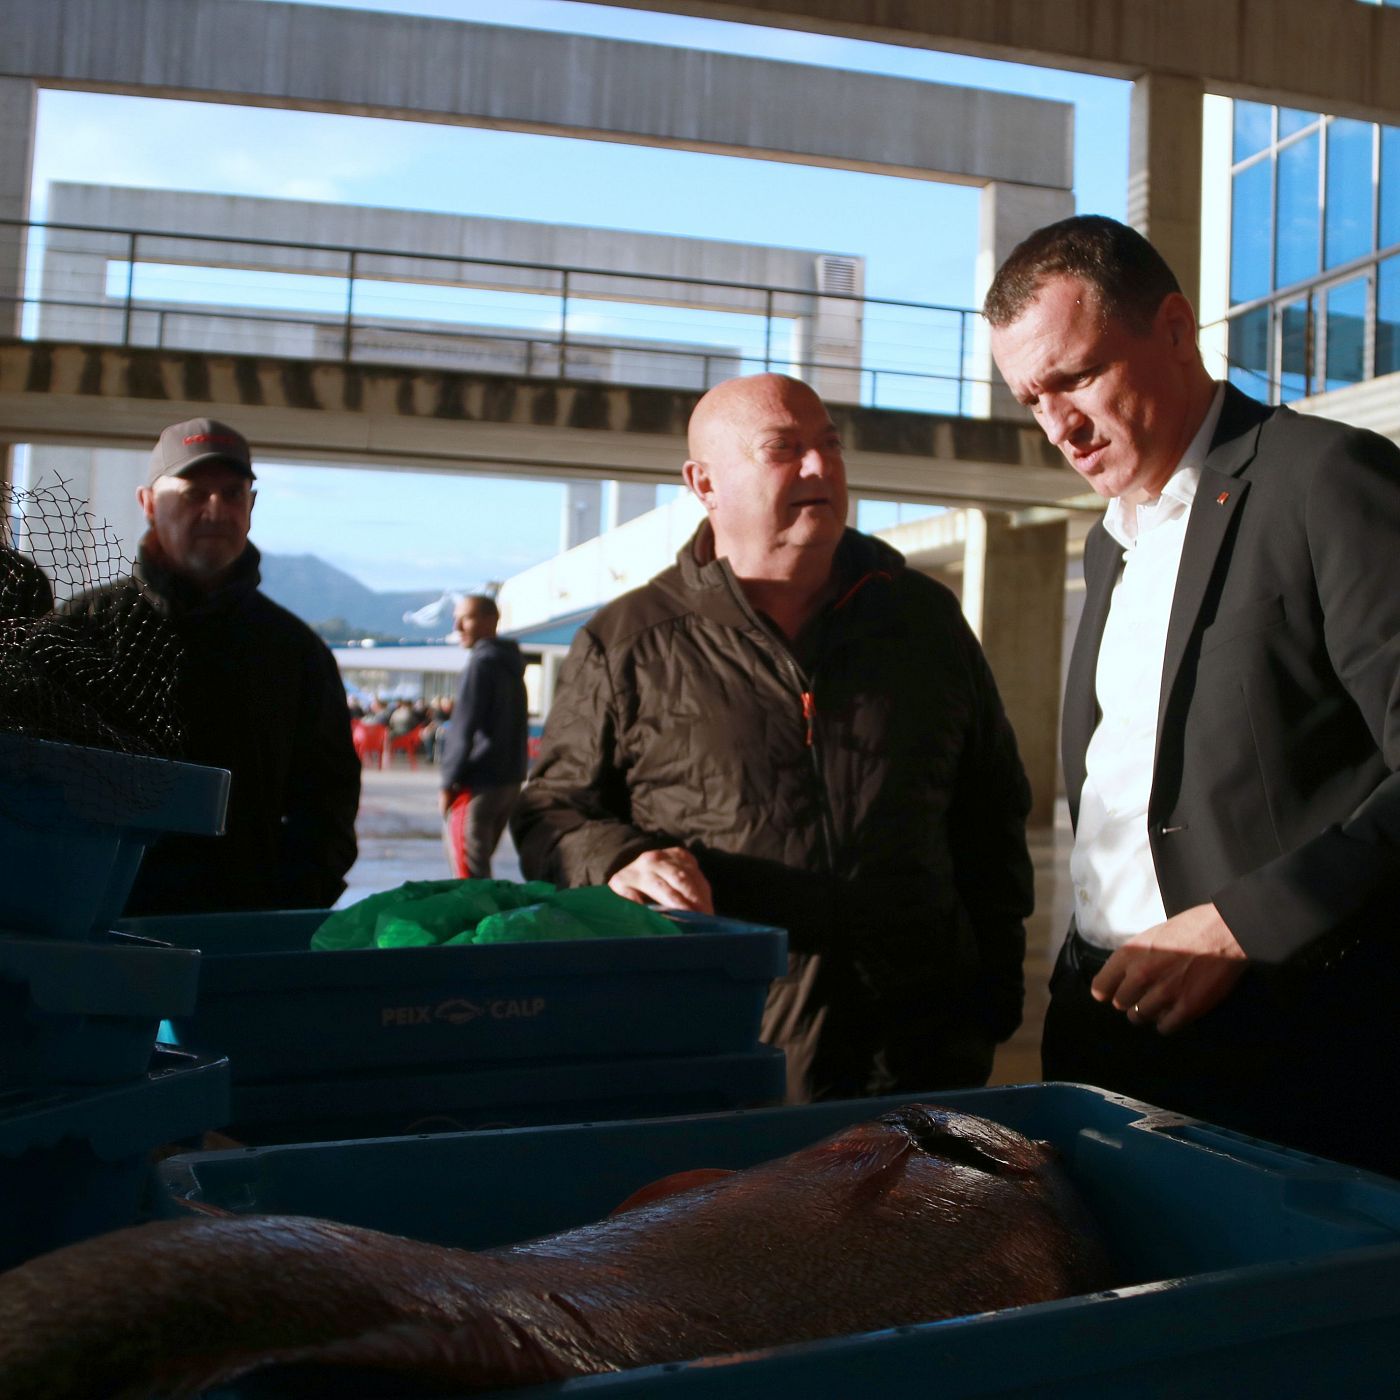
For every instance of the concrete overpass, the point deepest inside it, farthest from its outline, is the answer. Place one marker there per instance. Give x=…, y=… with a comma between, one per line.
x=373, y=253
x=416, y=419
x=391, y=270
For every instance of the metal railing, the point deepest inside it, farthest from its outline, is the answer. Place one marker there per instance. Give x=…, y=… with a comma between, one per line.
x=236, y=294
x=1325, y=332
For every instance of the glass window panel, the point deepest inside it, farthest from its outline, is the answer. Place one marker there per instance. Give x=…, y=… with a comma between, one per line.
x=1254, y=124
x=1349, y=193
x=1390, y=186
x=1290, y=119
x=1249, y=353
x=1388, y=316
x=1296, y=232
x=1346, y=333
x=1295, y=351
x=1250, y=237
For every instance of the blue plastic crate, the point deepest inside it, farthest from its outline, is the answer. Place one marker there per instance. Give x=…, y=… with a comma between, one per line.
x=503, y=1096
x=1245, y=1269
x=75, y=822
x=87, y=1012
x=280, y=1011
x=75, y=1163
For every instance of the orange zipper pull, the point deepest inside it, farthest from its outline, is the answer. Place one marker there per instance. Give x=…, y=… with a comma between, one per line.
x=809, y=711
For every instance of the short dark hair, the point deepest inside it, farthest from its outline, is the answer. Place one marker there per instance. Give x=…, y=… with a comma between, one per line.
x=1131, y=277
x=485, y=603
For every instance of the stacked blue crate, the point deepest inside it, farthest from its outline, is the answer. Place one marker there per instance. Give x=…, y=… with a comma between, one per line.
x=375, y=1042
x=84, y=1094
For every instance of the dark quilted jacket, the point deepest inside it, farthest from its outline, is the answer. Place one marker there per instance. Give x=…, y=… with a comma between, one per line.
x=874, y=804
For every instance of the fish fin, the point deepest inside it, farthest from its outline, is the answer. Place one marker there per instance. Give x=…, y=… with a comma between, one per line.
x=864, y=1160
x=968, y=1141
x=204, y=1208
x=674, y=1185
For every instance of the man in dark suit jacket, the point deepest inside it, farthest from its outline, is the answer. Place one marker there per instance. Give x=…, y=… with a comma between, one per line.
x=1232, y=717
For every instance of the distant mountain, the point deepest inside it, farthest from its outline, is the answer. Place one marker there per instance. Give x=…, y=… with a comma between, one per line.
x=318, y=592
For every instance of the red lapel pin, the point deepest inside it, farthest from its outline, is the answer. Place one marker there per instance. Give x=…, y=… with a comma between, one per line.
x=1222, y=498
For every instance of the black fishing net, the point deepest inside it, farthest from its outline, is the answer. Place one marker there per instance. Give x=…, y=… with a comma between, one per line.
x=76, y=668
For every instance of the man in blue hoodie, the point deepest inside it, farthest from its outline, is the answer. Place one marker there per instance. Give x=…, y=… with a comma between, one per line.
x=484, y=760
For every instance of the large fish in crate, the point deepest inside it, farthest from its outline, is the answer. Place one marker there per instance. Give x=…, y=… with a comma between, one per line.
x=920, y=1214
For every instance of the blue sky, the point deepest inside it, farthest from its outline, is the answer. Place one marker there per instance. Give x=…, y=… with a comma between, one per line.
x=399, y=530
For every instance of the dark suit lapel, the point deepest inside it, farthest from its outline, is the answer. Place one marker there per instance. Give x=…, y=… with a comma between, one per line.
x=1102, y=566
x=1219, y=494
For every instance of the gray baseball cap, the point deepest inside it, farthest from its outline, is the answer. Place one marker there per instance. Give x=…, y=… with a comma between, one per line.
x=184, y=446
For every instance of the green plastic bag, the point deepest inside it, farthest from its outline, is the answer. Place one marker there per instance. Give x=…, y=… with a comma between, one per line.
x=353, y=926
x=535, y=923
x=438, y=909
x=611, y=916
x=394, y=932
x=510, y=895
x=424, y=913
x=437, y=917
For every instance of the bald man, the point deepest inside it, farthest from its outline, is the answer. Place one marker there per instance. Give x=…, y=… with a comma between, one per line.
x=790, y=726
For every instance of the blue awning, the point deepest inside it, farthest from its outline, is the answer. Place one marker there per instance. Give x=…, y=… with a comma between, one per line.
x=555, y=631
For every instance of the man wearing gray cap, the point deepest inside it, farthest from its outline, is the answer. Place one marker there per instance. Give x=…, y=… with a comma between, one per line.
x=257, y=693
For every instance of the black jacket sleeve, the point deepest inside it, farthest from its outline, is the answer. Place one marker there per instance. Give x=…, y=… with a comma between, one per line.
x=317, y=845
x=995, y=877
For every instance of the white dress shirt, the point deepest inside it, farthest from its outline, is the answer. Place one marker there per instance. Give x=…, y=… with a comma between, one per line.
x=1116, y=895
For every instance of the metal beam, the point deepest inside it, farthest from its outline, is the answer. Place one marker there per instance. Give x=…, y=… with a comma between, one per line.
x=400, y=66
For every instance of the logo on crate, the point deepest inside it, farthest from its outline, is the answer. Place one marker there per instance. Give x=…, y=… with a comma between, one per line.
x=458, y=1011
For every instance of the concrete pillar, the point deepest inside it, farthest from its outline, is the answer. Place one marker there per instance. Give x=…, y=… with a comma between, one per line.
x=1164, y=171
x=1008, y=213
x=1014, y=599
x=549, y=679
x=18, y=98
x=1217, y=122
x=827, y=342
x=583, y=513
x=629, y=499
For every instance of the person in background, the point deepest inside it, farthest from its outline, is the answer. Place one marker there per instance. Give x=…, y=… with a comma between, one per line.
x=402, y=718
x=791, y=726
x=484, y=754
x=435, y=714
x=257, y=693
x=1232, y=716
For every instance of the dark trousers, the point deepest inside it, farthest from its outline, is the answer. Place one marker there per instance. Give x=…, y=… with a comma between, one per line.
x=473, y=827
x=1306, y=1060
x=838, y=1048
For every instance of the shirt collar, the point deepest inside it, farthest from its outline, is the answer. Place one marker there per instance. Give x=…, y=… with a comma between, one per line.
x=1126, y=523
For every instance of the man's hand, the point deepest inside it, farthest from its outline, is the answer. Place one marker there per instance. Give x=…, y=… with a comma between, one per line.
x=670, y=878
x=446, y=797
x=1173, y=973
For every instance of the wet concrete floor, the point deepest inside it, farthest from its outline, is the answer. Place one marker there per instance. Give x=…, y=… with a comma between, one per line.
x=400, y=839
